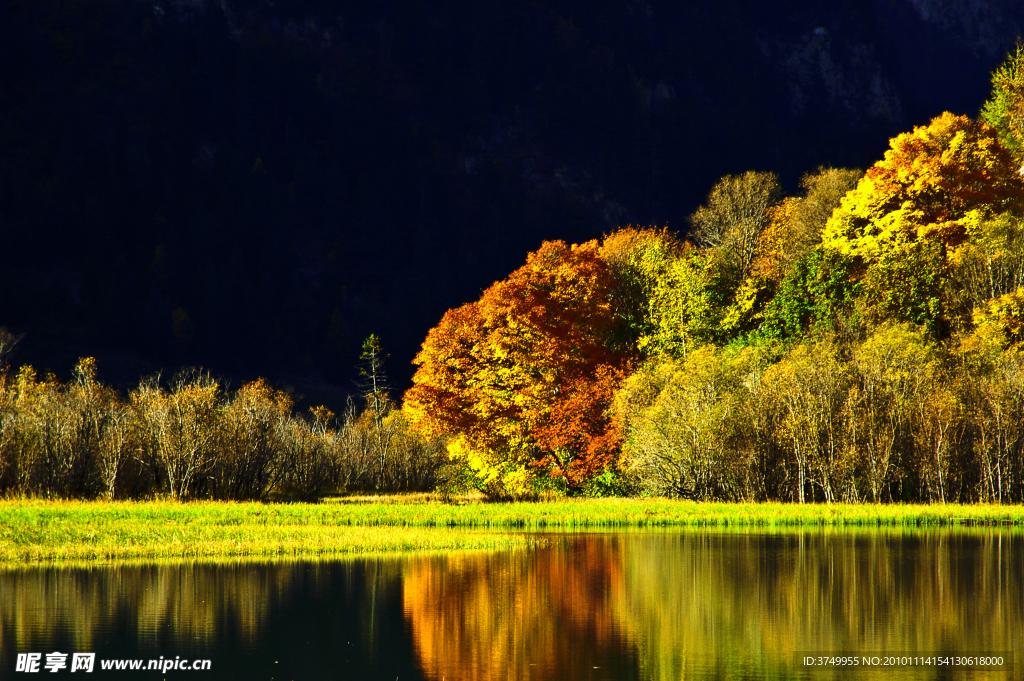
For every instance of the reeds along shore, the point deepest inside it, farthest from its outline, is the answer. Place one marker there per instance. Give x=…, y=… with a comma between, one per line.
x=194, y=439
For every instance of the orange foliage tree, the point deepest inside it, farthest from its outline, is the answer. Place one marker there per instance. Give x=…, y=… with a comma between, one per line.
x=523, y=378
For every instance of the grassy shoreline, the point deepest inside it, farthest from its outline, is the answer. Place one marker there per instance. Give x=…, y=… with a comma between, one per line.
x=46, y=531
x=644, y=513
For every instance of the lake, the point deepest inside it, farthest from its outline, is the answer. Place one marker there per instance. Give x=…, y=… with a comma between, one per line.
x=696, y=604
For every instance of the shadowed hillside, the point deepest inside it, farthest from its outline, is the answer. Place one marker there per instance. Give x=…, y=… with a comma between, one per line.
x=255, y=187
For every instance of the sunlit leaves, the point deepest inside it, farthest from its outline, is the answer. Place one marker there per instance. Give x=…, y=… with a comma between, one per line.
x=525, y=374
x=638, y=260
x=1005, y=108
x=687, y=306
x=818, y=293
x=928, y=182
x=844, y=293
x=809, y=388
x=682, y=422
x=1001, y=320
x=990, y=264
x=194, y=439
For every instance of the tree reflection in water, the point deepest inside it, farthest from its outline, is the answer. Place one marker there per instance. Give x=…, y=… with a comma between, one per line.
x=630, y=605
x=714, y=604
x=503, y=615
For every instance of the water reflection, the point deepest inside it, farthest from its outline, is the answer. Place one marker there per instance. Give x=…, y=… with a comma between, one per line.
x=701, y=602
x=548, y=614
x=715, y=604
x=184, y=602
x=252, y=620
x=644, y=605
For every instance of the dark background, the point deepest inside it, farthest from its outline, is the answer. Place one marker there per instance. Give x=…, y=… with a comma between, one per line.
x=256, y=186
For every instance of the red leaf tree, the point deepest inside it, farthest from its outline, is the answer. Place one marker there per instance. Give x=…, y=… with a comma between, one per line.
x=525, y=375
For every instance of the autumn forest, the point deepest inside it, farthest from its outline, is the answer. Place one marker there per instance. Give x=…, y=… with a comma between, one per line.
x=858, y=342
x=861, y=340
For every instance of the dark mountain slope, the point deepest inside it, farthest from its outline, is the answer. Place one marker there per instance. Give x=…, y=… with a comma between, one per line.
x=256, y=186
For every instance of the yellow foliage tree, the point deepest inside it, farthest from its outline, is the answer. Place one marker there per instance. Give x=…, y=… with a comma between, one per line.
x=930, y=180
x=1001, y=320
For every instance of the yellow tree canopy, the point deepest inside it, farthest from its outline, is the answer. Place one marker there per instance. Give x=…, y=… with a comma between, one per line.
x=924, y=188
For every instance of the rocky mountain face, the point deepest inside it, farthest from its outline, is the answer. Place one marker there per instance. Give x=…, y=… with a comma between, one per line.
x=985, y=27
x=255, y=186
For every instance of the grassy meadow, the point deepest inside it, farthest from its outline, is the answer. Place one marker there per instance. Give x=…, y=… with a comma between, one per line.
x=62, y=531
x=38, y=530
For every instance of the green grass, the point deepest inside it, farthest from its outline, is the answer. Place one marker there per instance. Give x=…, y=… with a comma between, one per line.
x=41, y=531
x=35, y=530
x=641, y=513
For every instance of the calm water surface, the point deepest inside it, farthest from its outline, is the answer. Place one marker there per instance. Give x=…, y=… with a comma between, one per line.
x=639, y=605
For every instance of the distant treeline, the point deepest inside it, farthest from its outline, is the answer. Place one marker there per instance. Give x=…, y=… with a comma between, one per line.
x=194, y=439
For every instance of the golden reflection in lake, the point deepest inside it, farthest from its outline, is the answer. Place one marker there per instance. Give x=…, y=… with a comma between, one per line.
x=632, y=605
x=543, y=614
x=716, y=604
